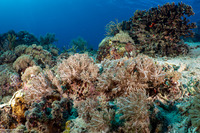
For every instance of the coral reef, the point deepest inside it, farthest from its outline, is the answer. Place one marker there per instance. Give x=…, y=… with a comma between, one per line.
x=78, y=45
x=18, y=106
x=45, y=91
x=97, y=116
x=11, y=39
x=26, y=38
x=7, y=121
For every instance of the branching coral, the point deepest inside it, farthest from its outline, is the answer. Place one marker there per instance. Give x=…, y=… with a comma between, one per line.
x=11, y=39
x=49, y=38
x=79, y=73
x=78, y=45
x=134, y=109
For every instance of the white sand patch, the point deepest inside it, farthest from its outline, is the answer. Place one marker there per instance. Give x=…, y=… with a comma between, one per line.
x=189, y=66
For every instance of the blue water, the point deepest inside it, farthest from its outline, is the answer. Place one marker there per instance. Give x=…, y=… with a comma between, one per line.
x=69, y=19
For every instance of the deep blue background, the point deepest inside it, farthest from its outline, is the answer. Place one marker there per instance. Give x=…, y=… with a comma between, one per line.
x=69, y=19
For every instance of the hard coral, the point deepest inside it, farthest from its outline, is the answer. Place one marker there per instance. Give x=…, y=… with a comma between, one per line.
x=119, y=46
x=48, y=116
x=6, y=119
x=18, y=106
x=155, y=31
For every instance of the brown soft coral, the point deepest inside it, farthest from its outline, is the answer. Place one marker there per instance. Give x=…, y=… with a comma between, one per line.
x=119, y=76
x=23, y=62
x=20, y=49
x=79, y=73
x=36, y=84
x=194, y=110
x=78, y=67
x=134, y=109
x=9, y=81
x=98, y=118
x=43, y=57
x=7, y=57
